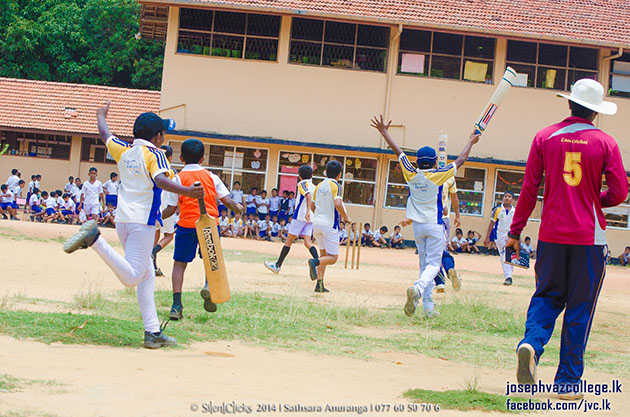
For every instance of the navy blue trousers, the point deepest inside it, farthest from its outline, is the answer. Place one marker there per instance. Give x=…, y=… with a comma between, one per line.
x=448, y=262
x=567, y=277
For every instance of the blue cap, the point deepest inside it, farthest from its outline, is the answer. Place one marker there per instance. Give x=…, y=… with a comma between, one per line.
x=150, y=124
x=426, y=156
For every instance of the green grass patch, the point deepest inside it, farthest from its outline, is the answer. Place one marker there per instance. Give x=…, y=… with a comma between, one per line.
x=9, y=383
x=464, y=400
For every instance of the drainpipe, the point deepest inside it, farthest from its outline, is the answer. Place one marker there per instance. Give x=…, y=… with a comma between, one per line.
x=605, y=76
x=391, y=72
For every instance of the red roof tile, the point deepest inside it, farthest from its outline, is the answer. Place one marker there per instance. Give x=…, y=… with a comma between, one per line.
x=601, y=22
x=71, y=108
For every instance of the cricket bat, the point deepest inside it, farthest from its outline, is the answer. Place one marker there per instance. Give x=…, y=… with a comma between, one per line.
x=496, y=99
x=210, y=246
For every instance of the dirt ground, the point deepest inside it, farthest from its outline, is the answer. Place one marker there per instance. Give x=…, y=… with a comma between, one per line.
x=106, y=381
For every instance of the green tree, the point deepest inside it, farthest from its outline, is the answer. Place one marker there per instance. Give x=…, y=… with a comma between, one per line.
x=78, y=41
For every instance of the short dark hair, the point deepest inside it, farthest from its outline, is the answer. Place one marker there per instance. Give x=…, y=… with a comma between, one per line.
x=384, y=229
x=112, y=175
x=237, y=182
x=70, y=178
x=508, y=192
x=66, y=195
x=459, y=230
x=3, y=187
x=192, y=151
x=263, y=191
x=274, y=189
x=14, y=171
x=333, y=168
x=580, y=111
x=21, y=182
x=367, y=225
x=35, y=190
x=168, y=151
x=528, y=238
x=224, y=211
x=58, y=192
x=93, y=169
x=33, y=176
x=53, y=193
x=291, y=192
x=305, y=172
x=253, y=188
x=44, y=193
x=396, y=227
x=38, y=176
x=285, y=192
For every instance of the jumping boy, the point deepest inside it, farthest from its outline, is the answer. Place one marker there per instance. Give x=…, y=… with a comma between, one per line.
x=424, y=208
x=301, y=225
x=168, y=224
x=186, y=241
x=144, y=173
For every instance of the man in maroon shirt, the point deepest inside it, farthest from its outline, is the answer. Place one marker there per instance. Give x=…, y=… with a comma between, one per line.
x=572, y=251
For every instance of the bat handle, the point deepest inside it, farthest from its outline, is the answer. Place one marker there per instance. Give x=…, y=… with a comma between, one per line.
x=201, y=201
x=477, y=131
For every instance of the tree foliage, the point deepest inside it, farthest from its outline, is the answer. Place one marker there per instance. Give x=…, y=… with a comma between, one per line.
x=78, y=41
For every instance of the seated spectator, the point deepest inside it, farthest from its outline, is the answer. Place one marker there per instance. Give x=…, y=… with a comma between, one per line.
x=367, y=236
x=379, y=238
x=224, y=224
x=472, y=239
x=343, y=234
x=284, y=229
x=458, y=244
x=396, y=240
x=624, y=258
x=527, y=247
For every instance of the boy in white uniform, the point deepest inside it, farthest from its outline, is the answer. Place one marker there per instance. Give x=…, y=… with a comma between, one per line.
x=111, y=190
x=301, y=225
x=13, y=180
x=6, y=202
x=274, y=203
x=144, y=172
x=168, y=224
x=502, y=218
x=92, y=196
x=328, y=199
x=237, y=194
x=68, y=187
x=424, y=208
x=224, y=225
x=238, y=226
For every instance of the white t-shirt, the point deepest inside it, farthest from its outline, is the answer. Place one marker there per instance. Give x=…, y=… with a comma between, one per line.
x=343, y=234
x=111, y=187
x=8, y=199
x=68, y=187
x=60, y=201
x=250, y=201
x=527, y=248
x=274, y=203
x=224, y=221
x=34, y=200
x=304, y=188
x=378, y=235
x=367, y=233
x=459, y=242
x=262, y=224
x=324, y=196
x=31, y=185
x=237, y=224
x=262, y=204
x=51, y=203
x=237, y=195
x=75, y=191
x=504, y=217
x=275, y=227
x=17, y=192
x=291, y=206
x=68, y=205
x=91, y=192
x=12, y=181
x=396, y=235
x=168, y=198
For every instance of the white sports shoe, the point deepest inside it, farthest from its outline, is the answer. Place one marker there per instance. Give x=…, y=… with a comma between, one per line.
x=413, y=295
x=272, y=267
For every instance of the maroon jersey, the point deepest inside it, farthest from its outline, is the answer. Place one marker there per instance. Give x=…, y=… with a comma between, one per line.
x=573, y=155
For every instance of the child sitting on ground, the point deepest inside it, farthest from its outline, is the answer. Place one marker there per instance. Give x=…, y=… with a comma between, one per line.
x=396, y=240
x=458, y=244
x=527, y=247
x=472, y=239
x=379, y=238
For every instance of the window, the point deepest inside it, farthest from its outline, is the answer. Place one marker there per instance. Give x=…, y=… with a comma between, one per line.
x=229, y=34
x=358, y=177
x=617, y=216
x=513, y=181
x=550, y=66
x=36, y=145
x=93, y=150
x=620, y=76
x=471, y=185
x=446, y=55
x=397, y=191
x=339, y=44
x=245, y=165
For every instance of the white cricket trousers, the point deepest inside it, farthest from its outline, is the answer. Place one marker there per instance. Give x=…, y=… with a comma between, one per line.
x=507, y=268
x=430, y=244
x=136, y=268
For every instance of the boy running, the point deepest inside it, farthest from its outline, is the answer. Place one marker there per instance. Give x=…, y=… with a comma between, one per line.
x=144, y=172
x=424, y=208
x=301, y=226
x=501, y=221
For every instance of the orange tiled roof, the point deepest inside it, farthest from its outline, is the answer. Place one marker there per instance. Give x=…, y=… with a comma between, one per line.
x=71, y=108
x=584, y=21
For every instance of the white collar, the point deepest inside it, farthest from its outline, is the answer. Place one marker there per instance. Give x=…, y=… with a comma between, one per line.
x=192, y=167
x=143, y=142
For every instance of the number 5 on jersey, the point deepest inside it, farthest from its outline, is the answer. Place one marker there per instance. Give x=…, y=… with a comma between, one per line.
x=572, y=168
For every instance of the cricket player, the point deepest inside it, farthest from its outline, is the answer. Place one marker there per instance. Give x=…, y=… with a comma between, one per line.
x=424, y=208
x=572, y=250
x=144, y=173
x=500, y=222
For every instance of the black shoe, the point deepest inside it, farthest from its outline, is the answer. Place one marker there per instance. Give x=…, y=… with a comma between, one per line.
x=312, y=268
x=176, y=313
x=85, y=237
x=208, y=305
x=152, y=341
x=319, y=287
x=508, y=281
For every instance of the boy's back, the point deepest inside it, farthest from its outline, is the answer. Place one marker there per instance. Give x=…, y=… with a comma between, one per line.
x=213, y=188
x=324, y=197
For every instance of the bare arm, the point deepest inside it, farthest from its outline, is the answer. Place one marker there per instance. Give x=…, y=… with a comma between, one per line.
x=309, y=205
x=382, y=127
x=168, y=211
x=463, y=156
x=163, y=182
x=455, y=201
x=232, y=205
x=103, y=129
x=342, y=210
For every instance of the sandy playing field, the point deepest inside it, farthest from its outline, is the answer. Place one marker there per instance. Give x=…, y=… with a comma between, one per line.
x=108, y=381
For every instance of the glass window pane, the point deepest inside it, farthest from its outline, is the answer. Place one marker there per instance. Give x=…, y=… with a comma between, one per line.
x=193, y=43
x=395, y=173
x=447, y=43
x=555, y=55
x=520, y=51
x=415, y=40
x=472, y=179
x=319, y=165
x=426, y=64
x=225, y=175
x=307, y=29
x=229, y=22
x=360, y=169
x=371, y=59
x=195, y=19
x=251, y=159
x=291, y=161
x=227, y=46
x=263, y=25
x=617, y=216
x=373, y=36
x=530, y=70
x=509, y=180
x=551, y=78
x=339, y=32
x=262, y=49
x=446, y=67
x=358, y=193
x=338, y=56
x=470, y=202
x=478, y=47
x=249, y=180
x=305, y=53
x=220, y=156
x=396, y=196
x=583, y=58
x=575, y=75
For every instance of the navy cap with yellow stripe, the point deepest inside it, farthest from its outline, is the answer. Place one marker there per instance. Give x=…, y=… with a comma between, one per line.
x=149, y=124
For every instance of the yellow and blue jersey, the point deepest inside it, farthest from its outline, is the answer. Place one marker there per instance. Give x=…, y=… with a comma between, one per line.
x=324, y=197
x=425, y=202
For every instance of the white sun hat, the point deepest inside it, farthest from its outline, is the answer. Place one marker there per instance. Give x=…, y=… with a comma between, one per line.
x=590, y=94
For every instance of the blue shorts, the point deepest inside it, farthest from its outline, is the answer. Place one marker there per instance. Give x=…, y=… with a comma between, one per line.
x=262, y=216
x=111, y=199
x=186, y=243
x=251, y=210
x=262, y=233
x=274, y=212
x=36, y=209
x=6, y=205
x=66, y=212
x=458, y=250
x=50, y=211
x=274, y=234
x=283, y=215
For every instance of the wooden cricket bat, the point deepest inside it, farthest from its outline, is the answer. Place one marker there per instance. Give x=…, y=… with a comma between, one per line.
x=496, y=99
x=210, y=245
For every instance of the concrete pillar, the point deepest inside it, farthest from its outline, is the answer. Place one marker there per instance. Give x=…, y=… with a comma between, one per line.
x=285, y=40
x=75, y=157
x=499, y=62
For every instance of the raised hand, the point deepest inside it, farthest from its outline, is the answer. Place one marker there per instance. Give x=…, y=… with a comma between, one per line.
x=102, y=111
x=379, y=124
